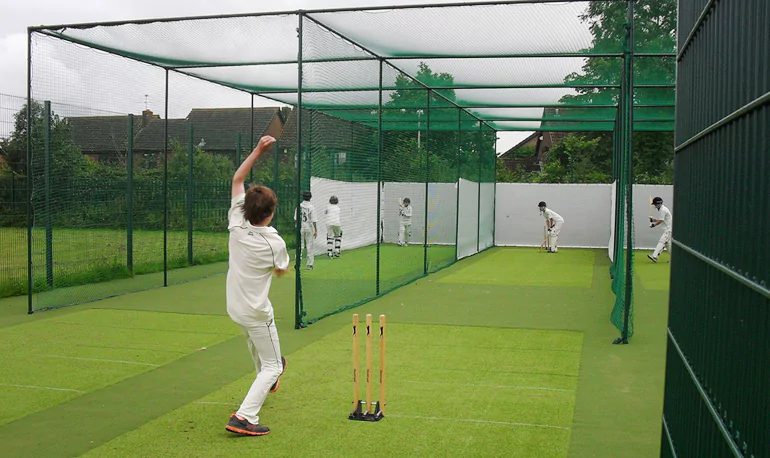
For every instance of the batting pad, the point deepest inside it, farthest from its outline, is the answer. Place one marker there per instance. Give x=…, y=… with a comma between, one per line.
x=528, y=267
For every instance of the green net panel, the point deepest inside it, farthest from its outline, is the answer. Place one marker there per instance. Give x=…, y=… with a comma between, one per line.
x=13, y=198
x=389, y=103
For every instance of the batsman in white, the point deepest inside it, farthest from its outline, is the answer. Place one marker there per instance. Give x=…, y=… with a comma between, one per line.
x=404, y=221
x=554, y=222
x=308, y=228
x=256, y=253
x=666, y=220
x=333, y=228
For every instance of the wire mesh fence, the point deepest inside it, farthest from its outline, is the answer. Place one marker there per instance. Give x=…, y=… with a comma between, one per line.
x=398, y=128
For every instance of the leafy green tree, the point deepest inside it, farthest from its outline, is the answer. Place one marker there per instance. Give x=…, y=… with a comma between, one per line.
x=655, y=31
x=67, y=160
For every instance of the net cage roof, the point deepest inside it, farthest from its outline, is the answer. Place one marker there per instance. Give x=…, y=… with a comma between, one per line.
x=515, y=65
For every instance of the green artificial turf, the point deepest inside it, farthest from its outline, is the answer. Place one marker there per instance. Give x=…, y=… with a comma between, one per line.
x=48, y=362
x=528, y=266
x=653, y=276
x=617, y=408
x=445, y=398
x=353, y=277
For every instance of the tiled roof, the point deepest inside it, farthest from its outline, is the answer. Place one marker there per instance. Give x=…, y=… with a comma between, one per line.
x=102, y=134
x=321, y=129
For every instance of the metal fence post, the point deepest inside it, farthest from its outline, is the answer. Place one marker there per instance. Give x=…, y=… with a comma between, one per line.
x=190, y=196
x=130, y=197
x=47, y=178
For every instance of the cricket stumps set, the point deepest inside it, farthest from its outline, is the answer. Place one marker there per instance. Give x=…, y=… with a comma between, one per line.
x=368, y=410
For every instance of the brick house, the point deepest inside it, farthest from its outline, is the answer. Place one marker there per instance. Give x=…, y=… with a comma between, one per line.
x=541, y=142
x=216, y=130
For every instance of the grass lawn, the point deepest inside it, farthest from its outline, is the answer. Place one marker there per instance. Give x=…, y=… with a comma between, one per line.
x=83, y=256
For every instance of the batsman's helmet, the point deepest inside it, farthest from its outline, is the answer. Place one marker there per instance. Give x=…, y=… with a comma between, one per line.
x=541, y=204
x=333, y=200
x=307, y=195
x=657, y=201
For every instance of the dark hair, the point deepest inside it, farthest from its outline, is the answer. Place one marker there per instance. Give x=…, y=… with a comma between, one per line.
x=259, y=203
x=307, y=195
x=333, y=200
x=407, y=201
x=542, y=204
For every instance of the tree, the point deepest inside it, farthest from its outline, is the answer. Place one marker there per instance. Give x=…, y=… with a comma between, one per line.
x=66, y=158
x=452, y=132
x=655, y=31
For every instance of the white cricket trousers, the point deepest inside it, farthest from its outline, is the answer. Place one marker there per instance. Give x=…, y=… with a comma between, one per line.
x=664, y=241
x=307, y=246
x=553, y=236
x=262, y=340
x=404, y=233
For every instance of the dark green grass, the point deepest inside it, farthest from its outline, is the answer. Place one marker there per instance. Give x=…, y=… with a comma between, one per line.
x=352, y=278
x=441, y=401
x=616, y=413
x=83, y=256
x=51, y=361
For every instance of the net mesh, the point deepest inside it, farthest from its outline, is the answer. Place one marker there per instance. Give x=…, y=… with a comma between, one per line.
x=390, y=103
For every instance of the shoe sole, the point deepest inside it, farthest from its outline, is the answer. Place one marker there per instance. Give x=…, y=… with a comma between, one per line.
x=244, y=432
x=652, y=259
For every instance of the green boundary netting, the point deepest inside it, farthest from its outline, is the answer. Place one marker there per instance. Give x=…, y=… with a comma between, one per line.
x=367, y=80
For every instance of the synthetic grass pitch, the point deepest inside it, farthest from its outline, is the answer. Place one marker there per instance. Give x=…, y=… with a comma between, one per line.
x=53, y=361
x=529, y=267
x=451, y=391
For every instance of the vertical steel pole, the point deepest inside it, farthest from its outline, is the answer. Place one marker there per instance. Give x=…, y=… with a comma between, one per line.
x=380, y=221
x=47, y=194
x=494, y=196
x=190, y=195
x=479, y=152
x=47, y=180
x=629, y=62
x=459, y=172
x=275, y=178
x=29, y=172
x=165, y=188
x=251, y=139
x=427, y=181
x=130, y=197
x=298, y=312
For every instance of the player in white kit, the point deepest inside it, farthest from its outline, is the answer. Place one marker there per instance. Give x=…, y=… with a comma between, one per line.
x=333, y=228
x=553, y=221
x=666, y=219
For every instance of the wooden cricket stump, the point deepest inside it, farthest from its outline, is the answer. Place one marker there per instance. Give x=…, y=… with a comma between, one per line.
x=368, y=410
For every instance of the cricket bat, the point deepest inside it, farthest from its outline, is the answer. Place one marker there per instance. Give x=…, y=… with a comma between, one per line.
x=650, y=207
x=400, y=201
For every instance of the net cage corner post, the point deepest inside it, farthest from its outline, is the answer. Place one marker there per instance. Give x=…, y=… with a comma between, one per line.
x=627, y=116
x=299, y=313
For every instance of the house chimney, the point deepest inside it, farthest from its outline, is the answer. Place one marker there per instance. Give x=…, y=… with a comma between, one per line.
x=146, y=117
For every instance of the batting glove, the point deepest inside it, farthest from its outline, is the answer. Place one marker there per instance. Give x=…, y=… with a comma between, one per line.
x=652, y=225
x=549, y=229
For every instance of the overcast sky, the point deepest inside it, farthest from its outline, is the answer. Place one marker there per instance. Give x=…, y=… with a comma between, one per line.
x=17, y=15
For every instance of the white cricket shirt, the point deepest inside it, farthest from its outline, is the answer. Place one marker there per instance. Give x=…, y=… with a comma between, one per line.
x=308, y=215
x=405, y=214
x=333, y=215
x=665, y=214
x=548, y=214
x=254, y=253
